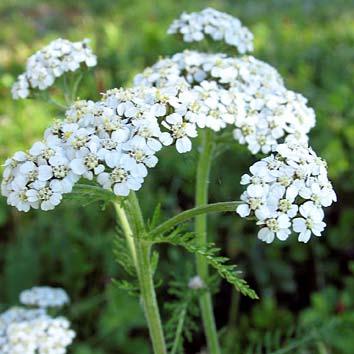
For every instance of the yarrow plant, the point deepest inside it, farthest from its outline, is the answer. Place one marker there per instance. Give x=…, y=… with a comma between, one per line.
x=32, y=330
x=103, y=151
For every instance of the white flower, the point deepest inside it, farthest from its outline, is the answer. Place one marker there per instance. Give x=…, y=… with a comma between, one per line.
x=47, y=198
x=274, y=226
x=311, y=221
x=121, y=179
x=87, y=162
x=19, y=199
x=148, y=131
x=181, y=131
x=63, y=178
x=321, y=196
x=138, y=156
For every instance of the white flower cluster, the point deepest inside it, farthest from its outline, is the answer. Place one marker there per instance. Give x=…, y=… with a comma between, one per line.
x=217, y=25
x=113, y=141
x=254, y=99
x=51, y=62
x=33, y=331
x=287, y=192
x=44, y=297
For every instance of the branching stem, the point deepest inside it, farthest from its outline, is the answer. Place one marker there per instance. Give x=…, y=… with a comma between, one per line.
x=134, y=228
x=192, y=213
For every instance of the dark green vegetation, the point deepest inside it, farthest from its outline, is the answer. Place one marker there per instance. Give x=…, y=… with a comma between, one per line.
x=306, y=291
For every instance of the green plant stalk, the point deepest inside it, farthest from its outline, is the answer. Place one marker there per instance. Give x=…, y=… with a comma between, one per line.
x=142, y=249
x=128, y=232
x=194, y=212
x=179, y=330
x=201, y=198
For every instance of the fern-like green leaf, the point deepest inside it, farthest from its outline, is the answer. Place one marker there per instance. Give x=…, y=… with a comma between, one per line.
x=184, y=315
x=155, y=217
x=130, y=287
x=211, y=253
x=122, y=253
x=87, y=194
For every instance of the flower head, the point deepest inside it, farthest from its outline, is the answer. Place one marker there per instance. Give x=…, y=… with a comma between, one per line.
x=44, y=296
x=286, y=192
x=244, y=93
x=51, y=62
x=112, y=142
x=217, y=25
x=34, y=331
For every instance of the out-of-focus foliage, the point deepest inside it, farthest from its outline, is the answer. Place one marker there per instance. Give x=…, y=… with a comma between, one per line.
x=303, y=287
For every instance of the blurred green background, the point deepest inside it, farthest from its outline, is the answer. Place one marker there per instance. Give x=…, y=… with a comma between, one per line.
x=303, y=288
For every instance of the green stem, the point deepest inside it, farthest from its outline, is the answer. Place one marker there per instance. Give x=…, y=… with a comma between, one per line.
x=179, y=330
x=191, y=213
x=124, y=222
x=148, y=295
x=76, y=86
x=201, y=198
x=146, y=282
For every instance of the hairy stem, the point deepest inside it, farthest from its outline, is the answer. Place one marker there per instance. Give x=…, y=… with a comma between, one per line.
x=201, y=198
x=144, y=271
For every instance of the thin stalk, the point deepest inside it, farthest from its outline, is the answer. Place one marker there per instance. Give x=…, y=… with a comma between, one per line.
x=179, y=330
x=194, y=212
x=76, y=86
x=145, y=276
x=66, y=90
x=148, y=295
x=128, y=233
x=233, y=313
x=201, y=198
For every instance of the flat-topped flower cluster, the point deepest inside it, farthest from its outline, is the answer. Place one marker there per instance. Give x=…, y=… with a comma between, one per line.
x=51, y=62
x=34, y=331
x=44, y=297
x=287, y=192
x=256, y=103
x=217, y=25
x=113, y=141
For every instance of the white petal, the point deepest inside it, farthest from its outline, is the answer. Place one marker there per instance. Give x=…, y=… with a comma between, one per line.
x=304, y=236
x=266, y=235
x=78, y=166
x=318, y=228
x=255, y=190
x=299, y=225
x=283, y=234
x=243, y=210
x=44, y=173
x=121, y=189
x=283, y=221
x=183, y=145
